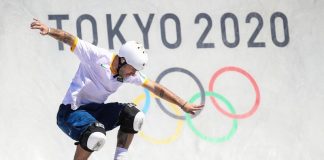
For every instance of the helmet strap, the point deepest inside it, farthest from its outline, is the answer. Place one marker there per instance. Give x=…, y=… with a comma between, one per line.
x=121, y=63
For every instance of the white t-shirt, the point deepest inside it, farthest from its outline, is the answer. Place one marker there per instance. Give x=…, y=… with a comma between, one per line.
x=94, y=81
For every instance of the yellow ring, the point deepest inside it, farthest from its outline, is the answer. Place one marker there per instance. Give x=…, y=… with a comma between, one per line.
x=168, y=139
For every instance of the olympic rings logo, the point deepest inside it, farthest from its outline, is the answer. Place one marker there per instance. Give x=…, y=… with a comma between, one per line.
x=214, y=97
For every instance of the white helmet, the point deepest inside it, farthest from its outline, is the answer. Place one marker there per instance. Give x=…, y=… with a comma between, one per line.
x=134, y=54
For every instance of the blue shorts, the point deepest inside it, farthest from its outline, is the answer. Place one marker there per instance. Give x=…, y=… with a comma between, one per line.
x=75, y=122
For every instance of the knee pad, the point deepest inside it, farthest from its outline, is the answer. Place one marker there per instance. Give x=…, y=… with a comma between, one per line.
x=93, y=138
x=131, y=119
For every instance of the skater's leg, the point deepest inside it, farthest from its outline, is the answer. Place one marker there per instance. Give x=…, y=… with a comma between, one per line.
x=123, y=142
x=81, y=154
x=131, y=120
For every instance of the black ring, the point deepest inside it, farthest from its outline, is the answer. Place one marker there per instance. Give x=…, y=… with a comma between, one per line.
x=182, y=70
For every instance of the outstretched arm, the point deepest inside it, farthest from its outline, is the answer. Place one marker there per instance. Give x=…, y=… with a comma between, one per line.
x=166, y=94
x=55, y=33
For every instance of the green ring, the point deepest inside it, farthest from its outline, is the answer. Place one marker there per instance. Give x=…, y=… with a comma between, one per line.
x=201, y=135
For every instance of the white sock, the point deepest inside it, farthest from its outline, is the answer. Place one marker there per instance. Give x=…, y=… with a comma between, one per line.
x=120, y=154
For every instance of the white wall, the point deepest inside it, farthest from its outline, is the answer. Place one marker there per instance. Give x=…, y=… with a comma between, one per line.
x=287, y=124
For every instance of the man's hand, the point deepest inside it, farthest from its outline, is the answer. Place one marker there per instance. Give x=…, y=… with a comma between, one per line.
x=55, y=33
x=166, y=94
x=192, y=108
x=36, y=24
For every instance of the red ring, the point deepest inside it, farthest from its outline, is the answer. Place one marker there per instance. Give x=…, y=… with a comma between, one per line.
x=250, y=78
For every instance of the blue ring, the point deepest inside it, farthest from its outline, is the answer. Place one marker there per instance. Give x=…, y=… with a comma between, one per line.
x=147, y=101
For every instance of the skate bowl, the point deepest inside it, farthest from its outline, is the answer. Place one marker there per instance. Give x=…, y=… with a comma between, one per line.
x=256, y=65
